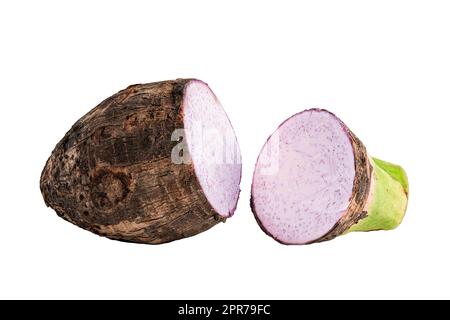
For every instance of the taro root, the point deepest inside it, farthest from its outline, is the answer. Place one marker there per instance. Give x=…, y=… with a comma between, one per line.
x=314, y=181
x=153, y=163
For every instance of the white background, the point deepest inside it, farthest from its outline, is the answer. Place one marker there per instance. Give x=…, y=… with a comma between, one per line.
x=381, y=66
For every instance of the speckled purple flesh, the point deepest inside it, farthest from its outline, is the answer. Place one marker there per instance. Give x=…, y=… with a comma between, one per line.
x=213, y=147
x=303, y=179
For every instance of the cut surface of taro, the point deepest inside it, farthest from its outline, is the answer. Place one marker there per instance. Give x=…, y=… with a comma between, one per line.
x=314, y=181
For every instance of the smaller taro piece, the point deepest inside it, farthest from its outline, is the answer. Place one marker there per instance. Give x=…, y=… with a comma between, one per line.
x=314, y=181
x=151, y=164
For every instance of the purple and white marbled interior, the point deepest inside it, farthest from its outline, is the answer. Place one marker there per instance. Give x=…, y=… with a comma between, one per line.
x=310, y=189
x=213, y=147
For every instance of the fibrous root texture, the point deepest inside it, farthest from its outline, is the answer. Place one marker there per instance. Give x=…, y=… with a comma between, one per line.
x=151, y=164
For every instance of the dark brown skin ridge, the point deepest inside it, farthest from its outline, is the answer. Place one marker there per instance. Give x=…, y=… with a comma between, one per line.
x=112, y=173
x=360, y=193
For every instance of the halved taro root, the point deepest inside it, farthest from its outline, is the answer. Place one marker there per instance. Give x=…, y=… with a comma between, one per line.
x=153, y=163
x=314, y=181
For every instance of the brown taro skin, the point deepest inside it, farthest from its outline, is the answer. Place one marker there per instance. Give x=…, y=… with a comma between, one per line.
x=112, y=173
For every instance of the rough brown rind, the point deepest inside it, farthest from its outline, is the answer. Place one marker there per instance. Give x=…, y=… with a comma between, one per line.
x=112, y=173
x=360, y=194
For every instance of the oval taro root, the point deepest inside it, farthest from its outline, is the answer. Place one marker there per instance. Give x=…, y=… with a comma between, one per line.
x=151, y=164
x=314, y=181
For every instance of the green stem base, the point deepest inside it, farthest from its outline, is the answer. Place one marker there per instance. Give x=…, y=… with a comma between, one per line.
x=388, y=198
